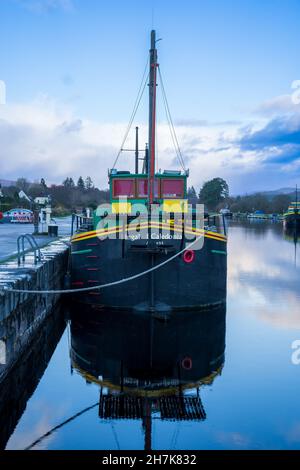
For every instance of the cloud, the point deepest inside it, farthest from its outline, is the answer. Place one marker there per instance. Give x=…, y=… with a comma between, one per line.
x=234, y=440
x=278, y=105
x=44, y=6
x=191, y=122
x=203, y=123
x=71, y=126
x=45, y=138
x=278, y=132
x=262, y=281
x=276, y=143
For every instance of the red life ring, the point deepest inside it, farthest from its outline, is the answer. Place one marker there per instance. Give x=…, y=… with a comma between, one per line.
x=187, y=363
x=188, y=256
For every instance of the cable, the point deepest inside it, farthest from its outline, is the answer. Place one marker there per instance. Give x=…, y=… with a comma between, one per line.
x=135, y=108
x=47, y=434
x=115, y=436
x=171, y=126
x=170, y=122
x=110, y=284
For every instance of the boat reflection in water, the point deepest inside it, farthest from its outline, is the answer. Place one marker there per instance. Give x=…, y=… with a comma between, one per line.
x=149, y=367
x=293, y=236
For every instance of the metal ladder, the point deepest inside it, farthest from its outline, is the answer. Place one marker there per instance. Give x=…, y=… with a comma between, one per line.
x=33, y=244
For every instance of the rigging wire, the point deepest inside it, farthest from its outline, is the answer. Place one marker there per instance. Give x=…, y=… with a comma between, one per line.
x=156, y=144
x=115, y=435
x=170, y=122
x=135, y=108
x=175, y=437
x=51, y=431
x=171, y=126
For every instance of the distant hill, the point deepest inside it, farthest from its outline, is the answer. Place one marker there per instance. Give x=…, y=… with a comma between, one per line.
x=279, y=191
x=275, y=192
x=289, y=192
x=6, y=183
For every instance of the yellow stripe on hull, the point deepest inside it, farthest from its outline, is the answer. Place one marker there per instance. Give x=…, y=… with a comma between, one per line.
x=139, y=391
x=129, y=228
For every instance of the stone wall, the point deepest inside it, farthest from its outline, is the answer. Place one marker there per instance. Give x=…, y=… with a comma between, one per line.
x=21, y=314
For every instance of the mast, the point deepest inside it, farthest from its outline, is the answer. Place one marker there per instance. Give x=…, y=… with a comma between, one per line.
x=152, y=117
x=136, y=150
x=145, y=162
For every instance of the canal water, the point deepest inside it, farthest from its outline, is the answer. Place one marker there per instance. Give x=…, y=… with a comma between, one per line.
x=218, y=379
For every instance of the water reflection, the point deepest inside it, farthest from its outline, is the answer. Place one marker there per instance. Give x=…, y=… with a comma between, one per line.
x=263, y=277
x=293, y=236
x=26, y=369
x=252, y=405
x=148, y=368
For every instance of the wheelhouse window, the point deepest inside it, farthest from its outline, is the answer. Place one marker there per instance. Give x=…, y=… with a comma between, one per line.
x=142, y=188
x=123, y=187
x=172, y=188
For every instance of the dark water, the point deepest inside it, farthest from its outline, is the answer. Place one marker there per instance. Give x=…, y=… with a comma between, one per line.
x=201, y=380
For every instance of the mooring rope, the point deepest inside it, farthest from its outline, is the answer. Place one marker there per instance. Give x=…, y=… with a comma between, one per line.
x=102, y=286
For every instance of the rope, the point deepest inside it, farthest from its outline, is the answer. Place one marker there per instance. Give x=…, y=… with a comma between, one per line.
x=51, y=431
x=170, y=123
x=135, y=108
x=102, y=286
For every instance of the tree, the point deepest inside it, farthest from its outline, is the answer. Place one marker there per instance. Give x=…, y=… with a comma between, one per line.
x=280, y=203
x=68, y=183
x=80, y=183
x=89, y=183
x=22, y=184
x=192, y=195
x=214, y=192
x=43, y=183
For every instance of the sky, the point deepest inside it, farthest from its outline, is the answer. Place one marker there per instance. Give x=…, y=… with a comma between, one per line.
x=72, y=70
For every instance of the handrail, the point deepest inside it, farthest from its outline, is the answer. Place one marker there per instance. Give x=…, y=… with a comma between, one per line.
x=21, y=247
x=79, y=220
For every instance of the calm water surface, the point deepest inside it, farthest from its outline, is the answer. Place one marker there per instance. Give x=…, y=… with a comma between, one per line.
x=203, y=380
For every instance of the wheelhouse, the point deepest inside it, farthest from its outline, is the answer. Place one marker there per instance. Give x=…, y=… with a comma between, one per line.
x=170, y=188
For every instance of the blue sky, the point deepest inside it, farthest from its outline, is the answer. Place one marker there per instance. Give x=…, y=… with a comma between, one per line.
x=72, y=69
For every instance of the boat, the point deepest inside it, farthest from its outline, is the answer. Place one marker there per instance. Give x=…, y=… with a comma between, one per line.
x=291, y=219
x=18, y=216
x=148, y=249
x=147, y=367
x=258, y=215
x=226, y=212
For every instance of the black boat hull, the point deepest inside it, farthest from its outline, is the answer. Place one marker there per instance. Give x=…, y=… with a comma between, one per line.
x=292, y=221
x=179, y=284
x=152, y=355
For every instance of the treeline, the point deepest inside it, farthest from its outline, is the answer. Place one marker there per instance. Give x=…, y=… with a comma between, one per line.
x=69, y=196
x=65, y=197
x=214, y=194
x=250, y=203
